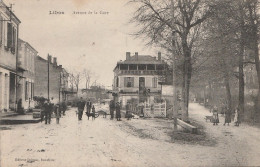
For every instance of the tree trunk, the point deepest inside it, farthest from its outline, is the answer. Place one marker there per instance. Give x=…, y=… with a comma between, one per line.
x=241, y=77
x=228, y=92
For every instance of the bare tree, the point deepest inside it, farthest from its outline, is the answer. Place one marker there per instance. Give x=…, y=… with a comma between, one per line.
x=87, y=75
x=77, y=79
x=176, y=22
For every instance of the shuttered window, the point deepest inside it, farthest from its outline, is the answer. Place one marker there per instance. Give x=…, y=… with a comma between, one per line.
x=154, y=83
x=9, y=35
x=129, y=82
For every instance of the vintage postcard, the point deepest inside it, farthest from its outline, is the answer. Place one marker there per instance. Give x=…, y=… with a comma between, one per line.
x=129, y=83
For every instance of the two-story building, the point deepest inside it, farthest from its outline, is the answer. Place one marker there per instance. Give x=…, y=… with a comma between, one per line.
x=9, y=27
x=57, y=80
x=26, y=71
x=137, y=78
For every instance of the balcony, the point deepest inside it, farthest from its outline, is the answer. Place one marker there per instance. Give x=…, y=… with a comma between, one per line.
x=140, y=72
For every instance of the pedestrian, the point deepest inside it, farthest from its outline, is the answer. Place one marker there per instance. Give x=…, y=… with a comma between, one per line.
x=215, y=115
x=47, y=111
x=118, y=112
x=112, y=109
x=237, y=117
x=81, y=106
x=63, y=107
x=93, y=112
x=128, y=111
x=19, y=107
x=89, y=105
x=227, y=113
x=57, y=111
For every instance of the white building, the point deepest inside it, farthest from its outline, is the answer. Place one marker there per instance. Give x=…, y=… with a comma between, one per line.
x=9, y=27
x=26, y=71
x=137, y=78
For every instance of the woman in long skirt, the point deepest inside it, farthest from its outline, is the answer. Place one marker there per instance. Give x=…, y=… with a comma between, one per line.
x=118, y=112
x=227, y=116
x=236, y=118
x=215, y=116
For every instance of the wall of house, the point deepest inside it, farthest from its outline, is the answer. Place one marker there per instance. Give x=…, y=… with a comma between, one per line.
x=41, y=79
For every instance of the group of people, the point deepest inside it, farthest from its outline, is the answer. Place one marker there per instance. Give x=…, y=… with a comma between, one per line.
x=50, y=107
x=115, y=107
x=81, y=106
x=228, y=115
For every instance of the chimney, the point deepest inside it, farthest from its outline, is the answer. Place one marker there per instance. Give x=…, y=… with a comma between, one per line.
x=49, y=58
x=136, y=55
x=128, y=55
x=55, y=61
x=159, y=56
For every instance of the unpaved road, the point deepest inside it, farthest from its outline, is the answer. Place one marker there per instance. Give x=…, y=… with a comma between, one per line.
x=103, y=142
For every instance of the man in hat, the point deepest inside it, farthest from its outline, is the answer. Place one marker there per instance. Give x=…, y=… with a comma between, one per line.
x=81, y=106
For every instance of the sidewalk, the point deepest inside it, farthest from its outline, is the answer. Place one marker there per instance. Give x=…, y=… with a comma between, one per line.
x=10, y=118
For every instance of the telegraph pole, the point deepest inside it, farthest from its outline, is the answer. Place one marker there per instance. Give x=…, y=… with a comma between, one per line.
x=48, y=84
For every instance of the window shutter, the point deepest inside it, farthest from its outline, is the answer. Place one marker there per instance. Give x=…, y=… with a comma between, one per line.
x=9, y=35
x=14, y=38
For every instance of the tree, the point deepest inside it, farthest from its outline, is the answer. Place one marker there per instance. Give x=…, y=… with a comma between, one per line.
x=88, y=75
x=173, y=21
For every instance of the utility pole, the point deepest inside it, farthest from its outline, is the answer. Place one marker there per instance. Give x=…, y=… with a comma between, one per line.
x=48, y=84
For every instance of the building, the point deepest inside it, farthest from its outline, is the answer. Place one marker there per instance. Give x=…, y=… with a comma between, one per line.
x=26, y=71
x=138, y=78
x=58, y=79
x=9, y=28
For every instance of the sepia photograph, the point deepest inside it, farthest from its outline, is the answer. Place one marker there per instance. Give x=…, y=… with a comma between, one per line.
x=129, y=83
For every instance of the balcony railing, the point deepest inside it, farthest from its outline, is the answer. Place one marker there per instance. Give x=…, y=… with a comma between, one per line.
x=141, y=72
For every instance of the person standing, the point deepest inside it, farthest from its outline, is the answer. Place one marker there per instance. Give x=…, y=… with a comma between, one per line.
x=63, y=107
x=215, y=116
x=118, y=112
x=128, y=111
x=47, y=111
x=57, y=111
x=236, y=118
x=93, y=112
x=112, y=108
x=227, y=115
x=81, y=106
x=89, y=105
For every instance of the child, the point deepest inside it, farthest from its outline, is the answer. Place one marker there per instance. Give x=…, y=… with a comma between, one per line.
x=236, y=118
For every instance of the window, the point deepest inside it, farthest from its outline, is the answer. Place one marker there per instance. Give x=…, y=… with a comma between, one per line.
x=32, y=91
x=26, y=90
x=117, y=81
x=129, y=82
x=150, y=67
x=123, y=67
x=132, y=67
x=154, y=83
x=141, y=67
x=9, y=35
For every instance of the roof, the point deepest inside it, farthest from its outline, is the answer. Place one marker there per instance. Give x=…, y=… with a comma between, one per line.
x=22, y=41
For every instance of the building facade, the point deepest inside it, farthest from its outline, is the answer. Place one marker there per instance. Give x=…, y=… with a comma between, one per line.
x=26, y=74
x=9, y=28
x=138, y=78
x=58, y=79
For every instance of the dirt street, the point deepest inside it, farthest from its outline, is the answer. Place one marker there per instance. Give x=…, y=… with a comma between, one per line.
x=137, y=143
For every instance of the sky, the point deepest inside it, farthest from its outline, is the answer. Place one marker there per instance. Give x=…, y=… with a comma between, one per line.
x=93, y=40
